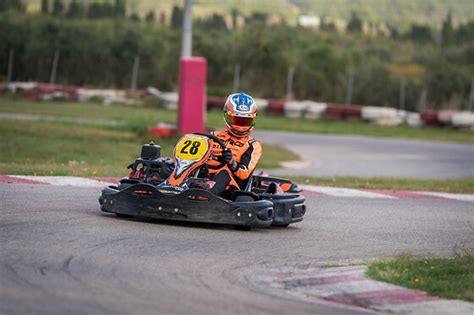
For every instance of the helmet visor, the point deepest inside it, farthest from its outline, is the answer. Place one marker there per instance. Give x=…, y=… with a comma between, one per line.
x=239, y=121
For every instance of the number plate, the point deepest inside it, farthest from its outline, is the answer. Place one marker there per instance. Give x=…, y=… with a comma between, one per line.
x=191, y=147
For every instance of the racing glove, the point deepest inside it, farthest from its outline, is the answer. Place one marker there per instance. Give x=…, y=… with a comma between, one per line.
x=228, y=158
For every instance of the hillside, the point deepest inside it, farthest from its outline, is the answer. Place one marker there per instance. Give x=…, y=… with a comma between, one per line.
x=399, y=13
x=396, y=12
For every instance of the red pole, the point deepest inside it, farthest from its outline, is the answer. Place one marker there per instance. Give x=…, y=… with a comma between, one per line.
x=192, y=94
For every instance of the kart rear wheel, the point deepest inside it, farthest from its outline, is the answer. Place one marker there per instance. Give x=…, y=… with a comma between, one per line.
x=124, y=216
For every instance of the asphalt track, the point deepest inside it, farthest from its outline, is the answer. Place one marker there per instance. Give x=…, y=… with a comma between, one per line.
x=60, y=255
x=329, y=155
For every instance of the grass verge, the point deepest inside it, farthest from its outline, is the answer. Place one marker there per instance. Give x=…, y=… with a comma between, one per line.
x=445, y=277
x=137, y=119
x=461, y=185
x=45, y=148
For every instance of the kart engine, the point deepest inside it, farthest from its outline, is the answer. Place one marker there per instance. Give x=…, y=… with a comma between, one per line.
x=150, y=167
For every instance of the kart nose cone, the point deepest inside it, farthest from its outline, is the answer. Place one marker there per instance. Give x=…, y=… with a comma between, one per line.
x=265, y=214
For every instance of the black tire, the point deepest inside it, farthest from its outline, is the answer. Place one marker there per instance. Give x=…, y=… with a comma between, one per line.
x=124, y=216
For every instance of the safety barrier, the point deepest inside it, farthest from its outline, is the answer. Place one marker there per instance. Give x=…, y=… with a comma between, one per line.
x=290, y=108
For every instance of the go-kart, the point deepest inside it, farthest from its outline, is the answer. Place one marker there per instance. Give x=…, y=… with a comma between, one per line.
x=178, y=189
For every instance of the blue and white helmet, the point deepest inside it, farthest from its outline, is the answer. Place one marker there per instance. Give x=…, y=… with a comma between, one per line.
x=240, y=111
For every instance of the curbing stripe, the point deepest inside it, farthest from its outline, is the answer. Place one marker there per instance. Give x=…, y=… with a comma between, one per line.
x=17, y=180
x=347, y=192
x=409, y=195
x=347, y=288
x=65, y=181
x=372, y=299
x=308, y=190
x=460, y=197
x=350, y=287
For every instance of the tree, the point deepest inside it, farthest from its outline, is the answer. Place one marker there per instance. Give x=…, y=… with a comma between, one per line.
x=257, y=18
x=327, y=25
x=420, y=33
x=100, y=10
x=12, y=4
x=214, y=22
x=355, y=23
x=45, y=6
x=235, y=15
x=465, y=33
x=120, y=8
x=445, y=81
x=150, y=16
x=319, y=73
x=176, y=18
x=447, y=31
x=162, y=19
x=134, y=17
x=58, y=7
x=75, y=9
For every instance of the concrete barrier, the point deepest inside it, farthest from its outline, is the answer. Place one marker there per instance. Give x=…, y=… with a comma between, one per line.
x=414, y=120
x=429, y=117
x=384, y=116
x=315, y=110
x=294, y=109
x=262, y=104
x=15, y=87
x=276, y=107
x=215, y=103
x=169, y=100
x=463, y=119
x=445, y=116
x=342, y=112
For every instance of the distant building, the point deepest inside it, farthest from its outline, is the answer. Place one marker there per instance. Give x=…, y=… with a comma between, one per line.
x=309, y=21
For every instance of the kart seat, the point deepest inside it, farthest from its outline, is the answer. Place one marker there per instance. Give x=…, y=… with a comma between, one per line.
x=272, y=188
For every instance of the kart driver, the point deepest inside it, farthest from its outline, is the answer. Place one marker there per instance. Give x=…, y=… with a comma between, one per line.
x=240, y=111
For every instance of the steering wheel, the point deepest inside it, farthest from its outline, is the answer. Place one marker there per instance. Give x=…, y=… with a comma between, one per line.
x=219, y=141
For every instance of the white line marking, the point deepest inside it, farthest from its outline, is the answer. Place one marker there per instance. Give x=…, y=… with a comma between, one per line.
x=65, y=180
x=346, y=192
x=439, y=307
x=460, y=197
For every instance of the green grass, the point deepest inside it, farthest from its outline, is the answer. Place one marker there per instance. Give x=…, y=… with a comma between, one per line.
x=446, y=277
x=462, y=185
x=45, y=148
x=137, y=119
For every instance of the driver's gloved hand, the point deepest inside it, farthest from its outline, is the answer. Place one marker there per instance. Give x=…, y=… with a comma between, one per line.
x=228, y=158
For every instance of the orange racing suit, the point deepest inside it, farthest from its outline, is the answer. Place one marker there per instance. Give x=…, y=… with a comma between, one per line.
x=246, y=151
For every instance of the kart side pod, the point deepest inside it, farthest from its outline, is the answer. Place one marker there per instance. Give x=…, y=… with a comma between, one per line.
x=192, y=205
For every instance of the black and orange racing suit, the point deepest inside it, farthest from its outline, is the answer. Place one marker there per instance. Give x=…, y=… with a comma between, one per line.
x=246, y=151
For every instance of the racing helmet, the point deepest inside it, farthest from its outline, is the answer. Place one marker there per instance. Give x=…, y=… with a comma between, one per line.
x=240, y=111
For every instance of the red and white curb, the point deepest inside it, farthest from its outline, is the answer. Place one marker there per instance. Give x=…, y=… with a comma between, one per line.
x=308, y=190
x=349, y=287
